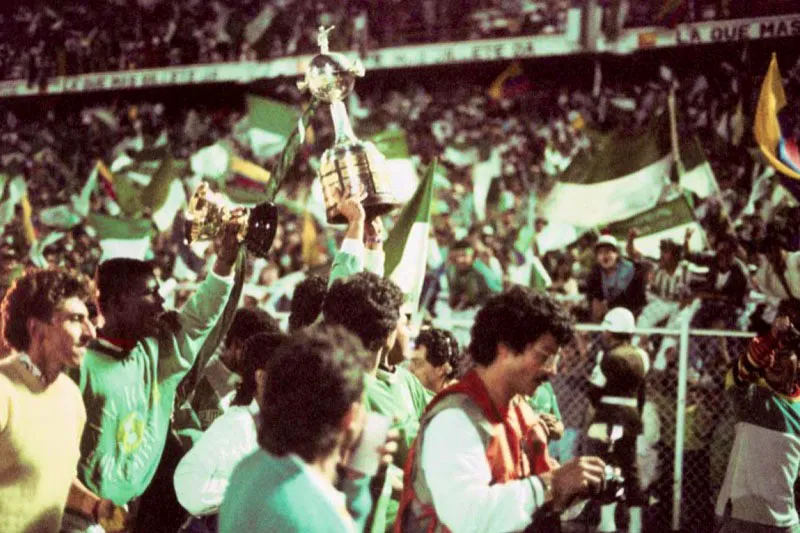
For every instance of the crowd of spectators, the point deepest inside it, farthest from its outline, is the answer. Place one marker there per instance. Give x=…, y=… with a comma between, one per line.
x=55, y=146
x=671, y=13
x=45, y=39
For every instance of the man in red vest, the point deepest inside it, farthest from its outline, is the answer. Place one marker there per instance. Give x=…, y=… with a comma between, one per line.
x=480, y=462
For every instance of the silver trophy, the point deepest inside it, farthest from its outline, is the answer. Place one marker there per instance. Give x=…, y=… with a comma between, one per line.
x=351, y=167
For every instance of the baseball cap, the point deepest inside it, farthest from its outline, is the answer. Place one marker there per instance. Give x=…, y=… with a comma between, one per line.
x=606, y=240
x=619, y=320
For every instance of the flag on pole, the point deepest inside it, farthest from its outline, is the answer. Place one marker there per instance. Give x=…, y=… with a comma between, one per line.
x=270, y=124
x=668, y=220
x=588, y=193
x=122, y=237
x=698, y=176
x=767, y=127
x=407, y=245
x=393, y=144
x=512, y=82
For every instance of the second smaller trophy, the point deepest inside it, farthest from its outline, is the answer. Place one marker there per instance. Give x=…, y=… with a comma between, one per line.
x=351, y=167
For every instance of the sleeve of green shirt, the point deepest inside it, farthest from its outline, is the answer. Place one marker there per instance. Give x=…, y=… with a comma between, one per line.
x=349, y=260
x=493, y=280
x=197, y=318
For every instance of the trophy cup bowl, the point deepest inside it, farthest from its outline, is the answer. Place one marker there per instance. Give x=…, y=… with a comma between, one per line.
x=331, y=77
x=356, y=169
x=207, y=214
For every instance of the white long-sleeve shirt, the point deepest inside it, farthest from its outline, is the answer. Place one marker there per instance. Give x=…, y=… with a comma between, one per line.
x=202, y=475
x=458, y=475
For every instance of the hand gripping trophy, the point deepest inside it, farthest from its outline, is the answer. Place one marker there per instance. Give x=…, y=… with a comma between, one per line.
x=351, y=167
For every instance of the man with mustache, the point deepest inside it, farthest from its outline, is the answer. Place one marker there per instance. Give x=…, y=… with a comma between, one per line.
x=130, y=374
x=479, y=462
x=46, y=320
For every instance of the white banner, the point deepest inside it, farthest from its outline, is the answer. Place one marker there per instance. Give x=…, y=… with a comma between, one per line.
x=427, y=54
x=705, y=33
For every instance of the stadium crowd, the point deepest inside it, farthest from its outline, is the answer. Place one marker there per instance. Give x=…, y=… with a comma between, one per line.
x=751, y=264
x=69, y=38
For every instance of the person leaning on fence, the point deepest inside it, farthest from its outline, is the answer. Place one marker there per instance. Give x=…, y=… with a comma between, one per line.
x=480, y=461
x=617, y=394
x=758, y=491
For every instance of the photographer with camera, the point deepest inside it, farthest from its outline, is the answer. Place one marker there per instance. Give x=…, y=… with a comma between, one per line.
x=758, y=491
x=617, y=395
x=480, y=462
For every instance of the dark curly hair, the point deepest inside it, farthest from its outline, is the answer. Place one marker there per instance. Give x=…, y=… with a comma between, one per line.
x=248, y=322
x=257, y=352
x=437, y=344
x=113, y=278
x=311, y=382
x=307, y=301
x=517, y=317
x=36, y=294
x=367, y=305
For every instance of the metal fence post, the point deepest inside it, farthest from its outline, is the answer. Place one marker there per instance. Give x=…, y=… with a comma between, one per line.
x=680, y=424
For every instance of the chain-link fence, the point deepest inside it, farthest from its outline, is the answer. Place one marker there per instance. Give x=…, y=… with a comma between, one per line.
x=690, y=396
x=707, y=421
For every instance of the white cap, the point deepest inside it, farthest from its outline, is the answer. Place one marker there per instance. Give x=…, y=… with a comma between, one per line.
x=607, y=240
x=619, y=320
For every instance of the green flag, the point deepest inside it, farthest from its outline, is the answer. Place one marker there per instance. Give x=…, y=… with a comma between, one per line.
x=122, y=237
x=667, y=221
x=407, y=245
x=269, y=125
x=588, y=194
x=393, y=144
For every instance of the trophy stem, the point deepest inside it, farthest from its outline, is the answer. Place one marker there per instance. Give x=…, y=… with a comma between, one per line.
x=341, y=123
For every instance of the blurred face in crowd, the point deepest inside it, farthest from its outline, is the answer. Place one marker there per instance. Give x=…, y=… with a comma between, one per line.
x=782, y=376
x=462, y=259
x=725, y=253
x=535, y=365
x=64, y=337
x=606, y=256
x=399, y=343
x=433, y=378
x=668, y=257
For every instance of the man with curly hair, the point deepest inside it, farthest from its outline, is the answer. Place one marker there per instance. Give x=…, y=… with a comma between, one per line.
x=480, y=461
x=369, y=306
x=435, y=360
x=299, y=480
x=46, y=321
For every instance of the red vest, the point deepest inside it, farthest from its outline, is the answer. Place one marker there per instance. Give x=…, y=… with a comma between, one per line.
x=516, y=448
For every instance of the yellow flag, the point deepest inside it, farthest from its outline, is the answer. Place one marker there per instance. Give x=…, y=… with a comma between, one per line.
x=105, y=172
x=249, y=170
x=27, y=224
x=496, y=88
x=766, y=128
x=309, y=240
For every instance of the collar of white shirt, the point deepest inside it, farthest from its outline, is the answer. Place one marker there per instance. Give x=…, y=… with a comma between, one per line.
x=28, y=363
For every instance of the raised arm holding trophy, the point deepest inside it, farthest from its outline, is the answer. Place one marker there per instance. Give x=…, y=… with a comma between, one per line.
x=351, y=167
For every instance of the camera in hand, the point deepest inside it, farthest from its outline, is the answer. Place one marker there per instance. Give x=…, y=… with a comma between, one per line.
x=612, y=488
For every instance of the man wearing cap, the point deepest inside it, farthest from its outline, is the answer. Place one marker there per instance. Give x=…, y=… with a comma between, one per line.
x=614, y=281
x=617, y=394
